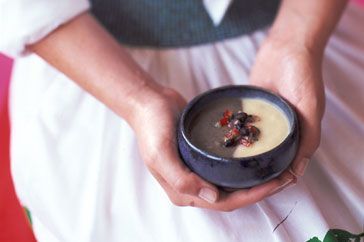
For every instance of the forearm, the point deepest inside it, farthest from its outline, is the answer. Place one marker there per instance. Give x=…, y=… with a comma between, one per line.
x=307, y=23
x=87, y=54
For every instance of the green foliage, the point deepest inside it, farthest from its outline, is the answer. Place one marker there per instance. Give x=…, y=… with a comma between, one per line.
x=314, y=239
x=339, y=235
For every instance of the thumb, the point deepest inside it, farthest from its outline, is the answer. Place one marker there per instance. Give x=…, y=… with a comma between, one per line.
x=310, y=133
x=184, y=181
x=181, y=179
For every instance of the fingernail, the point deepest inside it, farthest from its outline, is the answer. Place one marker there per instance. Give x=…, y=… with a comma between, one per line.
x=208, y=195
x=301, y=167
x=280, y=187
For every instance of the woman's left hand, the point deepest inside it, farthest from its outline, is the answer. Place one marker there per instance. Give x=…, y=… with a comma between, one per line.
x=294, y=72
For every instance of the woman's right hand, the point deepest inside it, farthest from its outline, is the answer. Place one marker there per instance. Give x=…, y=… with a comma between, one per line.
x=155, y=125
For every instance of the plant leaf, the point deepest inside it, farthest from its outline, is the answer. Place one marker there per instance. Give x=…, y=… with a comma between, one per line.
x=340, y=235
x=314, y=239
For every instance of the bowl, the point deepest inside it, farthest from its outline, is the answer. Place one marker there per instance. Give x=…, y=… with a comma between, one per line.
x=230, y=172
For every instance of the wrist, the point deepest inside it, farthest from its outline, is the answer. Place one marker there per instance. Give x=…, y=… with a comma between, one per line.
x=291, y=44
x=146, y=94
x=296, y=41
x=307, y=23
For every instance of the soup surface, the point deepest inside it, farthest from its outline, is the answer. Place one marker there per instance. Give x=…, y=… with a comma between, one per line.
x=273, y=126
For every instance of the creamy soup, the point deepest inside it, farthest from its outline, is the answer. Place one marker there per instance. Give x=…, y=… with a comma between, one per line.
x=273, y=126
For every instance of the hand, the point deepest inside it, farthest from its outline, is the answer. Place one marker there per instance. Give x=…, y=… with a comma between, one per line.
x=155, y=127
x=294, y=72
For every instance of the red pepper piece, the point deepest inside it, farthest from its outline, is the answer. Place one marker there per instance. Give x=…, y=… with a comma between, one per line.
x=228, y=135
x=245, y=142
x=235, y=132
x=227, y=114
x=232, y=134
x=224, y=121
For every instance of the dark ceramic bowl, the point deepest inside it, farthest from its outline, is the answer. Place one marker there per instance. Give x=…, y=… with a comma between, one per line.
x=236, y=173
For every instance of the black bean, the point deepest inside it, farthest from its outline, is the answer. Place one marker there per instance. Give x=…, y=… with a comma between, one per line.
x=241, y=116
x=232, y=117
x=229, y=142
x=249, y=119
x=243, y=131
x=238, y=124
x=254, y=130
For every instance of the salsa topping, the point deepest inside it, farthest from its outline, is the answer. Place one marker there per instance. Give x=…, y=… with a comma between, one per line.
x=240, y=128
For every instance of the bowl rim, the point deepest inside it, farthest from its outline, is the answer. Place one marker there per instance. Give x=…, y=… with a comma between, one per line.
x=192, y=103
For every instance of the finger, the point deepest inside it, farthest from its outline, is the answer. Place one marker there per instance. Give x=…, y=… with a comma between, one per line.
x=310, y=132
x=182, y=180
x=245, y=197
x=287, y=176
x=292, y=183
x=174, y=197
x=180, y=199
x=259, y=192
x=230, y=201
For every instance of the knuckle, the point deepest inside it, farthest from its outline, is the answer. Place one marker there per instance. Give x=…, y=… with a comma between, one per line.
x=316, y=144
x=225, y=208
x=181, y=185
x=228, y=209
x=314, y=141
x=177, y=202
x=150, y=161
x=170, y=92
